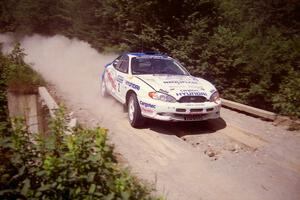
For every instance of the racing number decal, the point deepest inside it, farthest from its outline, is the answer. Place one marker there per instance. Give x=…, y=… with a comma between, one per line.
x=120, y=80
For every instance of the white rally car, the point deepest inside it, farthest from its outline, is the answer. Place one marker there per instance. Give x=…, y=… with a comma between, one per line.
x=154, y=85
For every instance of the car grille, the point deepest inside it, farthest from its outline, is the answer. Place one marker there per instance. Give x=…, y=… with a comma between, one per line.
x=191, y=117
x=192, y=99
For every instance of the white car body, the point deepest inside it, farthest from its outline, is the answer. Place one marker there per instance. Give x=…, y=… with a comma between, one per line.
x=191, y=95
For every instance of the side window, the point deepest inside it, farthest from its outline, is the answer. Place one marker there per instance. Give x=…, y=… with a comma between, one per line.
x=117, y=61
x=122, y=65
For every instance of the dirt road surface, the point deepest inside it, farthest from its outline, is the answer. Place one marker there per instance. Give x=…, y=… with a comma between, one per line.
x=235, y=157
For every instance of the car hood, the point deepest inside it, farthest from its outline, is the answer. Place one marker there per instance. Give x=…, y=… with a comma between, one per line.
x=179, y=86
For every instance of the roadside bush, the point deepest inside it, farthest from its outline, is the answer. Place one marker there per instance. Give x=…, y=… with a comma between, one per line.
x=18, y=75
x=288, y=98
x=3, y=100
x=80, y=165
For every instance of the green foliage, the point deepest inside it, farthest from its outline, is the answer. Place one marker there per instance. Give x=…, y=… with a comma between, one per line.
x=3, y=101
x=288, y=98
x=80, y=165
x=249, y=49
x=17, y=75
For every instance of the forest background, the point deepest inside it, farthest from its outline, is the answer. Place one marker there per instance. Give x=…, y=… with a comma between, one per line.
x=249, y=49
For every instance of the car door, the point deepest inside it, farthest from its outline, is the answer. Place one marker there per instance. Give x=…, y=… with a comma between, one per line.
x=121, y=77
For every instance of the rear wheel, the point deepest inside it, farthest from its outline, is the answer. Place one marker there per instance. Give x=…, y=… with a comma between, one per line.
x=134, y=112
x=103, y=88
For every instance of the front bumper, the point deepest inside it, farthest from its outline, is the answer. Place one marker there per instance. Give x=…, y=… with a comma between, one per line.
x=179, y=111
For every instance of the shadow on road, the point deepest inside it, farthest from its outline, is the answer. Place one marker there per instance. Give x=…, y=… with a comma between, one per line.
x=181, y=129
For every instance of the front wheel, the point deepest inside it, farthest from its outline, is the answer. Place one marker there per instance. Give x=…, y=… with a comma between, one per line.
x=134, y=112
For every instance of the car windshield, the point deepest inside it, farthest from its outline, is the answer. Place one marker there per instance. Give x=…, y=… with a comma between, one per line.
x=156, y=66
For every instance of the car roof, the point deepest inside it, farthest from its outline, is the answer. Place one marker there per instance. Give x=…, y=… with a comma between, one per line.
x=147, y=54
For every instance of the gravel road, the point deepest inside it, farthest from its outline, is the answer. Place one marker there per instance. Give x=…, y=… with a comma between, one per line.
x=235, y=157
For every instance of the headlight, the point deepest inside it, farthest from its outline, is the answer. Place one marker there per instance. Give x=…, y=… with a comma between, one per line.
x=215, y=97
x=162, y=97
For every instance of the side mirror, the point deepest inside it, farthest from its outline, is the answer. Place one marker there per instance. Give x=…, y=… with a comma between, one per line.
x=115, y=63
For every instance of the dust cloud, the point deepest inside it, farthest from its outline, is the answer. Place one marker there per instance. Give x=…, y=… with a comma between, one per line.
x=73, y=66
x=7, y=42
x=59, y=56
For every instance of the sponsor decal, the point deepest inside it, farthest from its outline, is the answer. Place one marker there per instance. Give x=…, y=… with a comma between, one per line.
x=132, y=85
x=180, y=82
x=191, y=93
x=120, y=79
x=189, y=90
x=111, y=80
x=155, y=57
x=213, y=90
x=147, y=110
x=163, y=91
x=192, y=105
x=147, y=105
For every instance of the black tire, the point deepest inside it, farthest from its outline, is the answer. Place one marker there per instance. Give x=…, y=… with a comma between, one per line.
x=134, y=112
x=103, y=89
